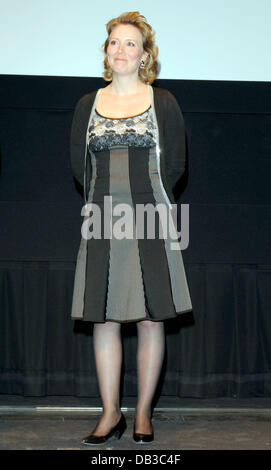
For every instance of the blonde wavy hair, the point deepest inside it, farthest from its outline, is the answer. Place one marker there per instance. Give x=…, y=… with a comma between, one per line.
x=148, y=73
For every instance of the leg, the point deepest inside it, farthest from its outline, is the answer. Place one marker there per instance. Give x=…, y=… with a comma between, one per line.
x=108, y=358
x=150, y=355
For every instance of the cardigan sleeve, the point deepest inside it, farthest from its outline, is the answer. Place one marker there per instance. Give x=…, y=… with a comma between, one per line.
x=174, y=141
x=77, y=142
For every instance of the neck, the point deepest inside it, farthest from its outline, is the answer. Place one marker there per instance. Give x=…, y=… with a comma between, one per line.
x=123, y=85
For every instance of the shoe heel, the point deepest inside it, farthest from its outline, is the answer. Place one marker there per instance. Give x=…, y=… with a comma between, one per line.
x=118, y=433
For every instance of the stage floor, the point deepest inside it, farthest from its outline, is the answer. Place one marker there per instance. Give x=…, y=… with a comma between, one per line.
x=43, y=423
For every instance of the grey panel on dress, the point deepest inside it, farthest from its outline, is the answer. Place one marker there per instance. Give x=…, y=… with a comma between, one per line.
x=77, y=310
x=180, y=291
x=125, y=299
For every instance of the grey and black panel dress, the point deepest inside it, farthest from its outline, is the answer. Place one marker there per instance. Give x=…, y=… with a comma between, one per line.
x=135, y=277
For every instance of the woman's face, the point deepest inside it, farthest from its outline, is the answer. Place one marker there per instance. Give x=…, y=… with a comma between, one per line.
x=125, y=49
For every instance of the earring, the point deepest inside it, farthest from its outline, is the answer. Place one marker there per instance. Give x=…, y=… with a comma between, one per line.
x=142, y=64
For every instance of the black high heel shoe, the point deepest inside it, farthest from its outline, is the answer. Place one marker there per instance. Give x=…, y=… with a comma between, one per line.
x=115, y=432
x=140, y=438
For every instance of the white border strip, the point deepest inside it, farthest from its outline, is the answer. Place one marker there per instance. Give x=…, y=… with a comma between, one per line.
x=182, y=410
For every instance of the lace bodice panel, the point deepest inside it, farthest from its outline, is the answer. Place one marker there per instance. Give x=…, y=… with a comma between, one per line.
x=136, y=131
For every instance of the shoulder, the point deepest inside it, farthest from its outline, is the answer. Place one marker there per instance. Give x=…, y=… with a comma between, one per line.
x=165, y=97
x=85, y=100
x=163, y=94
x=82, y=109
x=167, y=102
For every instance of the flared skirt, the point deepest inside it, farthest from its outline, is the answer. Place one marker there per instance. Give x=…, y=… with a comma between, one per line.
x=128, y=267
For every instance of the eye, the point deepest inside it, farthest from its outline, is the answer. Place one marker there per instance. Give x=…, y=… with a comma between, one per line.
x=130, y=42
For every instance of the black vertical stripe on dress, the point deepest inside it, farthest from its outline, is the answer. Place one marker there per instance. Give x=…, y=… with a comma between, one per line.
x=153, y=258
x=97, y=259
x=126, y=298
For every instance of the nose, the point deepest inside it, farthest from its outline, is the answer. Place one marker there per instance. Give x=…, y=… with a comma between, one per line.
x=120, y=48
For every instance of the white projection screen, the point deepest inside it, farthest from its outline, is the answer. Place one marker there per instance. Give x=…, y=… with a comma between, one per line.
x=197, y=40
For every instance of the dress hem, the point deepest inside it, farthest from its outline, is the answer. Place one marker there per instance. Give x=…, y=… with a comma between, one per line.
x=134, y=320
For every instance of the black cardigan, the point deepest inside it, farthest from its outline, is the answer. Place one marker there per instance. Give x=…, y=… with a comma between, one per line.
x=171, y=139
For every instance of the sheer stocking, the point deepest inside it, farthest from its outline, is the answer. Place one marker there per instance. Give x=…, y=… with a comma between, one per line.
x=150, y=355
x=108, y=358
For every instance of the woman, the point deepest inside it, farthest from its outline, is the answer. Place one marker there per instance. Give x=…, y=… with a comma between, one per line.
x=127, y=142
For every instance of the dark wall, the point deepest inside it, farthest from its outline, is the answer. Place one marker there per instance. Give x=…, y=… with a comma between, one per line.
x=226, y=184
x=223, y=348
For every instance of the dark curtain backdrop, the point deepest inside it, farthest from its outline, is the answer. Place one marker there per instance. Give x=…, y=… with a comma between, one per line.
x=222, y=348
